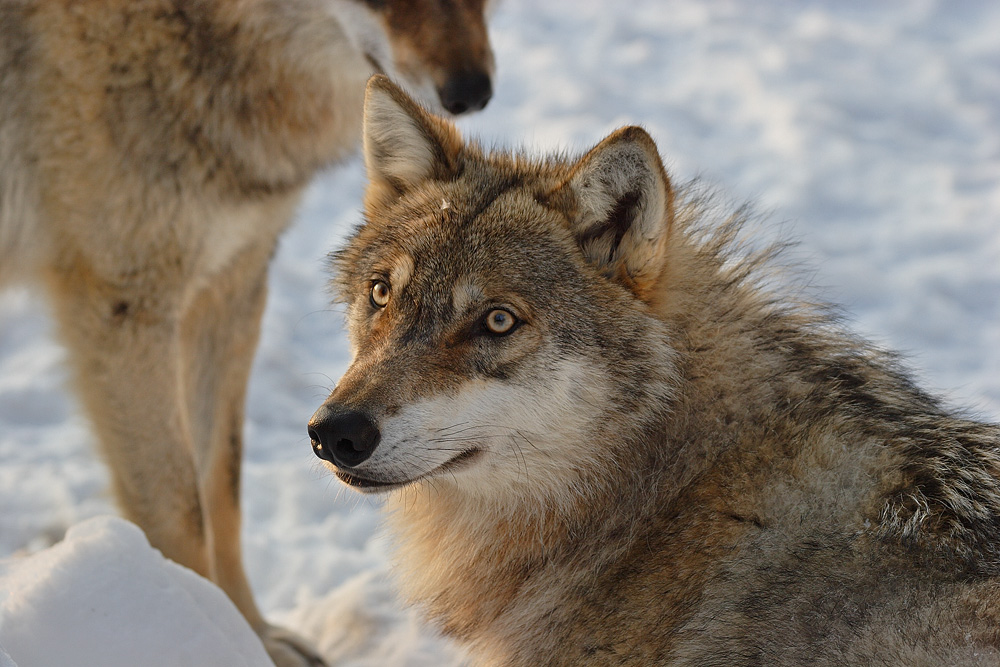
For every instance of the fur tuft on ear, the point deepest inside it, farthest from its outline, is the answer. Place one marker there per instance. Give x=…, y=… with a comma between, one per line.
x=403, y=144
x=623, y=208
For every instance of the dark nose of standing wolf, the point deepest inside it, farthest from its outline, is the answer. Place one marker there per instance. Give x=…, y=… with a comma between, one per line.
x=466, y=91
x=345, y=438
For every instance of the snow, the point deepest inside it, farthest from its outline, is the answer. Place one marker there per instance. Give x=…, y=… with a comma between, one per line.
x=868, y=132
x=103, y=596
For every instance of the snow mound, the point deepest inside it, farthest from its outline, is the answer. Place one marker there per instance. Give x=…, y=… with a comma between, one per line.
x=104, y=596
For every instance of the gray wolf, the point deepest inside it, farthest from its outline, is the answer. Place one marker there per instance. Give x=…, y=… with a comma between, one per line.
x=607, y=437
x=151, y=152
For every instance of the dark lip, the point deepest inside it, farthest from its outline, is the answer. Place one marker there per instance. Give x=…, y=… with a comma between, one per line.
x=368, y=485
x=365, y=484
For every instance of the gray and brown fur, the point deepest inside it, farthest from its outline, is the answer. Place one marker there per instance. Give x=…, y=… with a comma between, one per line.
x=151, y=152
x=665, y=462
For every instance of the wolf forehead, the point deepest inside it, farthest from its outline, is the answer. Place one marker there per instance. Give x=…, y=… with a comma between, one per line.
x=496, y=221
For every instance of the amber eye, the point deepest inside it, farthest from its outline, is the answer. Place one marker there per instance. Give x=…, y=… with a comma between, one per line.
x=499, y=321
x=380, y=293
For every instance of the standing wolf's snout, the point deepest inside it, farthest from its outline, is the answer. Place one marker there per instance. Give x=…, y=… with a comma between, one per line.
x=466, y=91
x=343, y=437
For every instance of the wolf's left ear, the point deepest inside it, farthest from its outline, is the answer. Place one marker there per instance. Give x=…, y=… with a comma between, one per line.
x=622, y=208
x=403, y=144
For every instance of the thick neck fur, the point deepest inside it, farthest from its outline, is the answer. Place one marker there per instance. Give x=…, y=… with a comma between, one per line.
x=793, y=394
x=482, y=570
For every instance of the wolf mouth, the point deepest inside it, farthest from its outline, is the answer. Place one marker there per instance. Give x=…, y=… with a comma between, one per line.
x=370, y=485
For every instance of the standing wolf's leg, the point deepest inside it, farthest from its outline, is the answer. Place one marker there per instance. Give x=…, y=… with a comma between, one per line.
x=220, y=333
x=123, y=335
x=220, y=337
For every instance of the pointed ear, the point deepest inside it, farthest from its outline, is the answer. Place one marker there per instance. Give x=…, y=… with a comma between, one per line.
x=403, y=144
x=623, y=208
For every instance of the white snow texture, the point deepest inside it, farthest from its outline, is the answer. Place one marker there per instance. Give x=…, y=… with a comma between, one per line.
x=103, y=596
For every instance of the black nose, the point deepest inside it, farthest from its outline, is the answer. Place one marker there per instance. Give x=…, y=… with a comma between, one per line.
x=466, y=91
x=346, y=438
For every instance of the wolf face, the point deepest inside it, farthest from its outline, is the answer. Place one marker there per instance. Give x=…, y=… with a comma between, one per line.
x=492, y=307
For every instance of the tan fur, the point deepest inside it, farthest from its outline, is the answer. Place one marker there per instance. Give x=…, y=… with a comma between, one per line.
x=151, y=152
x=665, y=462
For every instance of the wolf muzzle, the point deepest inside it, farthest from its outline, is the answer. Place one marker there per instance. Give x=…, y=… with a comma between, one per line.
x=344, y=437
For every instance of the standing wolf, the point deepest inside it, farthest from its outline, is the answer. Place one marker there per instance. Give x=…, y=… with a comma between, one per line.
x=607, y=443
x=151, y=152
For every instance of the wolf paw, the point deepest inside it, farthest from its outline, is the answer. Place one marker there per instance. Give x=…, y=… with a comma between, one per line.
x=288, y=649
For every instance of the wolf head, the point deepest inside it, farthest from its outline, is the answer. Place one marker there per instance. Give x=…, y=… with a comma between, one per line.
x=498, y=311
x=440, y=50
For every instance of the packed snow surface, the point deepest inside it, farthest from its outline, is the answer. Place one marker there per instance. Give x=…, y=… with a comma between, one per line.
x=867, y=132
x=103, y=596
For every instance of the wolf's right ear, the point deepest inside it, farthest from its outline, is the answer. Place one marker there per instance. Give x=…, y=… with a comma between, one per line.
x=403, y=144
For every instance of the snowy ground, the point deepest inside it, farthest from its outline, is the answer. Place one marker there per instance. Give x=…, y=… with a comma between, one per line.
x=103, y=597
x=869, y=132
